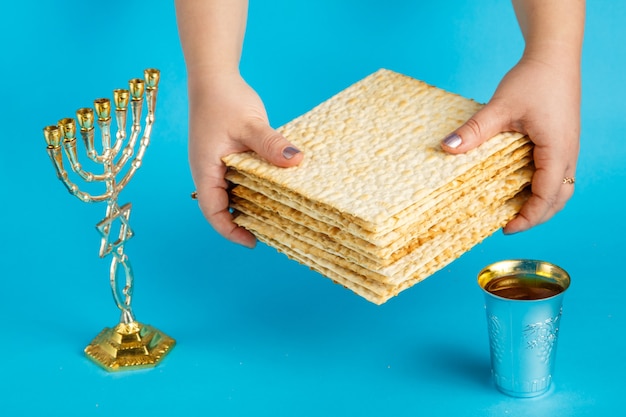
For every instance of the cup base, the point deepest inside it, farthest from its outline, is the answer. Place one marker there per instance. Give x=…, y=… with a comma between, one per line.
x=524, y=394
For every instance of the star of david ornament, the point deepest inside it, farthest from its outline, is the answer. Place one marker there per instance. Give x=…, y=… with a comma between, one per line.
x=121, y=214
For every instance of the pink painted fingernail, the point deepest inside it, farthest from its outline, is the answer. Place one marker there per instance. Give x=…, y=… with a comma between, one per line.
x=289, y=152
x=452, y=141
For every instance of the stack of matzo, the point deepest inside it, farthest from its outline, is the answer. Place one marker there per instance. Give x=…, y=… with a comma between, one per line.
x=376, y=205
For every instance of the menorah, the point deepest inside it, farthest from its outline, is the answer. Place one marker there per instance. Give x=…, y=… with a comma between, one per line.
x=130, y=344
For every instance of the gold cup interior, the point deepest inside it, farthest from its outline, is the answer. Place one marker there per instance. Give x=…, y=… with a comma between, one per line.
x=543, y=270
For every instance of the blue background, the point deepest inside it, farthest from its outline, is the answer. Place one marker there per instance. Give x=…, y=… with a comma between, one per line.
x=259, y=334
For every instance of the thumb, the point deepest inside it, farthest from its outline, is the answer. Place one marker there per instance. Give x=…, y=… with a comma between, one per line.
x=272, y=146
x=483, y=125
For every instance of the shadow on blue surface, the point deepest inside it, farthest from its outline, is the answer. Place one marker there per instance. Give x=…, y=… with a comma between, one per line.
x=447, y=364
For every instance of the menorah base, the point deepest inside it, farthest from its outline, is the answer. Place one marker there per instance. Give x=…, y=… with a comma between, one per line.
x=128, y=347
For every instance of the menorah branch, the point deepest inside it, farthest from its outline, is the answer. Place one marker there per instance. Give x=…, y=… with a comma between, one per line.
x=56, y=156
x=151, y=89
x=68, y=129
x=120, y=98
x=135, y=131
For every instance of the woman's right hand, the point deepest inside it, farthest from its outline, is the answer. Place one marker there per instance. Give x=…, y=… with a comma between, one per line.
x=227, y=116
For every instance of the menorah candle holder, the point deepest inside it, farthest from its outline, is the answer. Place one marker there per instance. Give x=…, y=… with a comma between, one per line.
x=130, y=344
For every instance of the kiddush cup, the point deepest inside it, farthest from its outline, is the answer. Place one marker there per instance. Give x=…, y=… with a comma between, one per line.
x=523, y=302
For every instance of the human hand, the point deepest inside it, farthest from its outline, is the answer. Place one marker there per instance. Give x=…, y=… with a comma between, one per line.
x=541, y=99
x=227, y=116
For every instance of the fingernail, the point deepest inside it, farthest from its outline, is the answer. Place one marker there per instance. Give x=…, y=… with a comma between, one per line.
x=289, y=152
x=452, y=141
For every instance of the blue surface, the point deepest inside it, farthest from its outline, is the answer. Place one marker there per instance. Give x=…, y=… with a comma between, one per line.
x=259, y=334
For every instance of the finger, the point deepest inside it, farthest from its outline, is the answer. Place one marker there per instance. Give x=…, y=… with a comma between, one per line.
x=271, y=145
x=213, y=201
x=549, y=195
x=483, y=125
